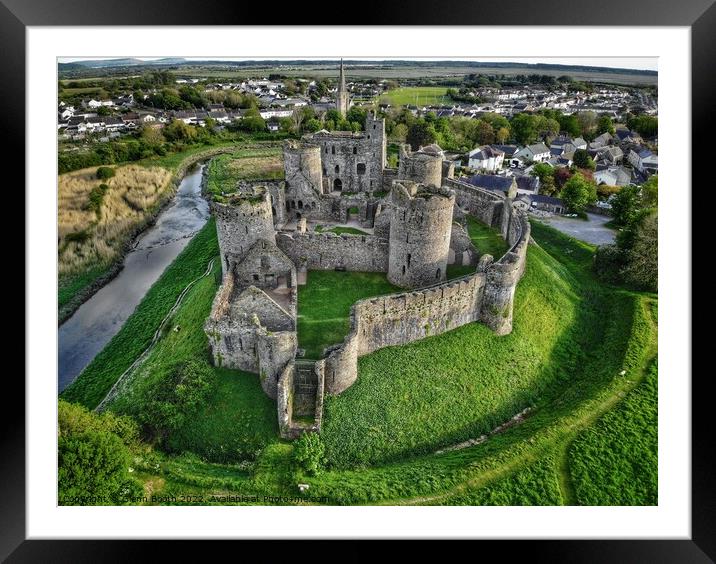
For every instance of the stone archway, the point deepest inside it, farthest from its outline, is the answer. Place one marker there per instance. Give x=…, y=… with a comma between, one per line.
x=337, y=185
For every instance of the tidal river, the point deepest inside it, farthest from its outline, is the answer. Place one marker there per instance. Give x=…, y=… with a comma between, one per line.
x=84, y=334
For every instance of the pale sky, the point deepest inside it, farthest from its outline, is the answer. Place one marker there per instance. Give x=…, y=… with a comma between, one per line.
x=641, y=63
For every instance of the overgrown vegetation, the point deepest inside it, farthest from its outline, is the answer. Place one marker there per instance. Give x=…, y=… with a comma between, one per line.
x=94, y=457
x=634, y=258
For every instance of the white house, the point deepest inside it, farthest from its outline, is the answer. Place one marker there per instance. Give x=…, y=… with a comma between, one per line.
x=644, y=160
x=275, y=112
x=538, y=152
x=486, y=158
x=613, y=176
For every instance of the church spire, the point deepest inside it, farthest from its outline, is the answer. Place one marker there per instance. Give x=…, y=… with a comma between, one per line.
x=342, y=101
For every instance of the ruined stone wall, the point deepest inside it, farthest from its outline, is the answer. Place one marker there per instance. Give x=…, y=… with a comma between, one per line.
x=486, y=296
x=274, y=350
x=240, y=222
x=328, y=251
x=389, y=175
x=277, y=196
x=483, y=204
x=420, y=229
x=265, y=266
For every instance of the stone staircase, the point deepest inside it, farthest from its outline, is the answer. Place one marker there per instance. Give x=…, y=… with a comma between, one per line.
x=305, y=385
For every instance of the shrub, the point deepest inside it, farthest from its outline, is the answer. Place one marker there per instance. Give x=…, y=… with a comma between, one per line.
x=105, y=172
x=94, y=457
x=608, y=263
x=171, y=401
x=309, y=453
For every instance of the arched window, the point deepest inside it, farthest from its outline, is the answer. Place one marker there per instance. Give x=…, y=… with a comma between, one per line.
x=337, y=169
x=403, y=269
x=300, y=204
x=337, y=185
x=355, y=150
x=437, y=274
x=360, y=168
x=333, y=149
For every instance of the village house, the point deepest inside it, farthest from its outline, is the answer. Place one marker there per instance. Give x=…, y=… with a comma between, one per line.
x=644, y=160
x=537, y=152
x=486, y=158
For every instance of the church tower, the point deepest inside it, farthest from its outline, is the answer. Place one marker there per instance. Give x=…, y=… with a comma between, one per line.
x=342, y=102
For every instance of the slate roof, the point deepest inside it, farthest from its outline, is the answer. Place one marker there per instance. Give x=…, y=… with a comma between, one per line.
x=491, y=182
x=527, y=182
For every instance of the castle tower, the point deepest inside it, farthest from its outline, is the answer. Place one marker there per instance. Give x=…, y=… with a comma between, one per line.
x=420, y=229
x=375, y=131
x=303, y=159
x=424, y=166
x=342, y=101
x=240, y=222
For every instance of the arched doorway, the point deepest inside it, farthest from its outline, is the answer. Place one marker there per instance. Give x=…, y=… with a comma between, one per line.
x=337, y=185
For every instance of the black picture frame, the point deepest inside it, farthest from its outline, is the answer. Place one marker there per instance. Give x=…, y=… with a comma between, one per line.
x=16, y=15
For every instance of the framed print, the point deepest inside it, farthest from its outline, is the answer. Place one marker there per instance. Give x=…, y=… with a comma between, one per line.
x=359, y=282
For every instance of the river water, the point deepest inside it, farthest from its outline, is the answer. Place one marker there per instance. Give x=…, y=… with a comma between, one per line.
x=91, y=327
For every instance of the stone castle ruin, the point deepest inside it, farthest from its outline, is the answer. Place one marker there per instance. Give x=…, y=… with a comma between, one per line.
x=416, y=213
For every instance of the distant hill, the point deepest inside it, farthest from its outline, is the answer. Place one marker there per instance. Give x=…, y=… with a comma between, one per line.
x=126, y=62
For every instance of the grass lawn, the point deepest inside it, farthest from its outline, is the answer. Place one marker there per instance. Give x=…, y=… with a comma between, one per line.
x=244, y=164
x=339, y=230
x=324, y=305
x=416, y=95
x=487, y=239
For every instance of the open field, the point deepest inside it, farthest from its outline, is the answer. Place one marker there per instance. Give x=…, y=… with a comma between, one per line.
x=244, y=164
x=416, y=95
x=324, y=305
x=92, y=232
x=406, y=71
x=573, y=338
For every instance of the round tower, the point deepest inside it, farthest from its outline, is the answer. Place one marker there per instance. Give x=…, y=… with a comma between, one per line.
x=303, y=158
x=242, y=220
x=420, y=229
x=422, y=166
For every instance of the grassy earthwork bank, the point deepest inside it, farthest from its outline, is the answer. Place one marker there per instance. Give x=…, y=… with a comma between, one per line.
x=581, y=357
x=95, y=381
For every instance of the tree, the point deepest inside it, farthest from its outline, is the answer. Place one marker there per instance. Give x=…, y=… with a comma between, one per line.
x=524, y=129
x=485, y=133
x=312, y=125
x=252, y=124
x=103, y=111
x=309, y=453
x=105, y=172
x=587, y=122
x=420, y=134
x=542, y=171
x=400, y=132
x=578, y=193
x=625, y=206
x=605, y=125
x=583, y=160
x=642, y=267
x=152, y=136
x=177, y=130
x=357, y=115
x=171, y=400
x=502, y=135
x=94, y=457
x=570, y=125
x=297, y=120
x=650, y=192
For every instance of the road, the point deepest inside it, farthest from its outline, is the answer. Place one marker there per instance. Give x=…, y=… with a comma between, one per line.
x=592, y=231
